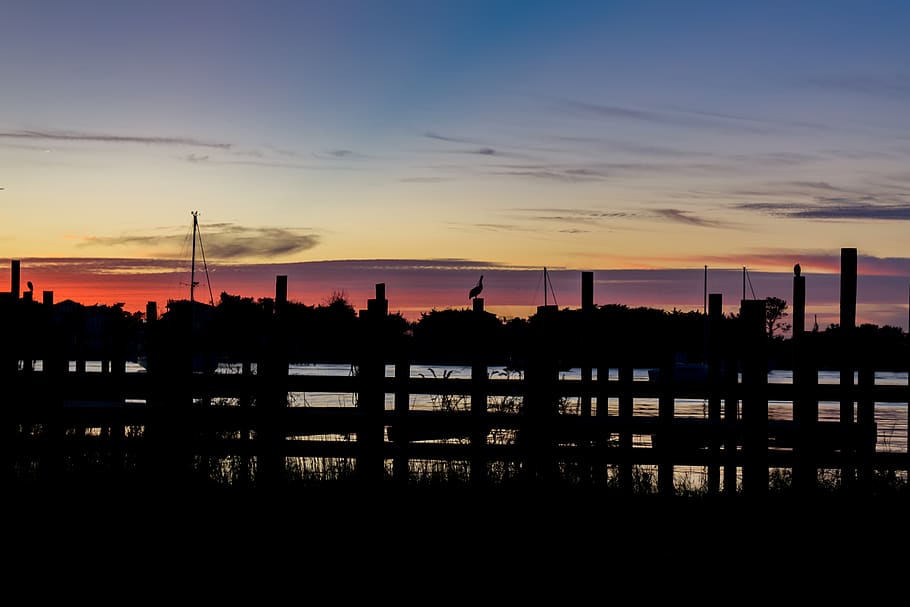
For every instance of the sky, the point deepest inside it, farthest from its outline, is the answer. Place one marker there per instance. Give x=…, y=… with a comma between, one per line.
x=420, y=144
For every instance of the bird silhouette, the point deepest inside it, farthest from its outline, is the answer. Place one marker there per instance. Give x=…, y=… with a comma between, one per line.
x=796, y=269
x=31, y=287
x=477, y=288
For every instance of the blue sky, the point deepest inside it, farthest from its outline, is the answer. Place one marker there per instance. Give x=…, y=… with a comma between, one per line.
x=577, y=135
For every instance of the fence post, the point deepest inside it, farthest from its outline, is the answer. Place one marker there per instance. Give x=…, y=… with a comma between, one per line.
x=731, y=422
x=626, y=410
x=479, y=391
x=715, y=377
x=805, y=402
x=847, y=366
x=8, y=388
x=665, y=432
x=587, y=316
x=866, y=431
x=14, y=274
x=400, y=467
x=371, y=401
x=118, y=332
x=272, y=395
x=54, y=368
x=541, y=406
x=755, y=397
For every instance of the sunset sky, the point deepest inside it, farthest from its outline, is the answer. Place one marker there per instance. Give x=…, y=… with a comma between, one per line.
x=423, y=143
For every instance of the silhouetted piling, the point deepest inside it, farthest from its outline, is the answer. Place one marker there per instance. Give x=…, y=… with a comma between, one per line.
x=14, y=270
x=755, y=397
x=847, y=360
x=715, y=375
x=54, y=368
x=541, y=399
x=400, y=466
x=665, y=409
x=587, y=310
x=272, y=395
x=865, y=421
x=371, y=398
x=731, y=432
x=626, y=410
x=479, y=380
x=805, y=399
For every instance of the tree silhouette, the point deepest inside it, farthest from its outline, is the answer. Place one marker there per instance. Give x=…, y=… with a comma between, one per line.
x=774, y=314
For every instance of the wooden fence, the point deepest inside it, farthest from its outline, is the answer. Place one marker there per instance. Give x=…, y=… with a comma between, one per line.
x=169, y=425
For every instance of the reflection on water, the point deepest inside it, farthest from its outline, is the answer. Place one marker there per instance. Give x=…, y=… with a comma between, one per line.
x=890, y=417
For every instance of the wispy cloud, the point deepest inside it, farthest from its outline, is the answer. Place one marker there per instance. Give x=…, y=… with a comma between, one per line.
x=631, y=147
x=752, y=119
x=548, y=174
x=424, y=179
x=437, y=136
x=551, y=172
x=574, y=216
x=487, y=227
x=867, y=84
x=837, y=211
x=686, y=217
x=811, y=261
x=78, y=136
x=340, y=154
x=815, y=185
x=774, y=159
x=674, y=118
x=222, y=241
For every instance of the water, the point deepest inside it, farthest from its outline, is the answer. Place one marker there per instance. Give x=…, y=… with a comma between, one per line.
x=891, y=418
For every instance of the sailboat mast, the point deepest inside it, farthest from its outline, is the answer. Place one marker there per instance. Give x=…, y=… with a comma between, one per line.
x=545, y=286
x=193, y=266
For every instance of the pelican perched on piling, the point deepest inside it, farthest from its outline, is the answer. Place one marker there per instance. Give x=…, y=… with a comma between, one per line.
x=477, y=288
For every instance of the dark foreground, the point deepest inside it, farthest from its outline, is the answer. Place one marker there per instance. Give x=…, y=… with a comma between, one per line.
x=439, y=546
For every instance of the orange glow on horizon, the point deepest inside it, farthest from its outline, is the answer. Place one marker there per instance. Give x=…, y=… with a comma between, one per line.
x=415, y=287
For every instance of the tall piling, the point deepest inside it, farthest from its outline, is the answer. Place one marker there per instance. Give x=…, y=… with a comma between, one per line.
x=847, y=361
x=805, y=399
x=14, y=278
x=371, y=401
x=479, y=395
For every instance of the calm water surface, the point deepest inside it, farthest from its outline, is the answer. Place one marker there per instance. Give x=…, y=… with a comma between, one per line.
x=890, y=417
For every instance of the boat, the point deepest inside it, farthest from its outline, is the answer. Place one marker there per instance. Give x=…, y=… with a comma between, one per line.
x=547, y=290
x=683, y=372
x=190, y=318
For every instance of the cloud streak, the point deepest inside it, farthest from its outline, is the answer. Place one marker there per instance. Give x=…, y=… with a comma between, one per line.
x=563, y=214
x=685, y=217
x=897, y=86
x=677, y=118
x=77, y=136
x=838, y=211
x=551, y=172
x=222, y=241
